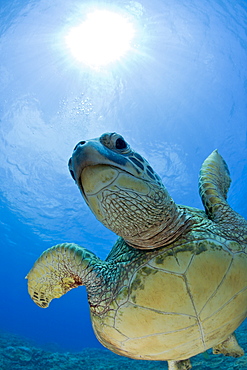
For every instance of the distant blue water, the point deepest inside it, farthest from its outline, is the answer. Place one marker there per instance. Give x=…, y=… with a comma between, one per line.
x=179, y=95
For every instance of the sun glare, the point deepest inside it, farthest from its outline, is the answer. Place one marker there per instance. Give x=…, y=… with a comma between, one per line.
x=102, y=38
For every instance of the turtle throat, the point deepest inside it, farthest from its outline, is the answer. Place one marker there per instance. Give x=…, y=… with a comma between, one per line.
x=175, y=223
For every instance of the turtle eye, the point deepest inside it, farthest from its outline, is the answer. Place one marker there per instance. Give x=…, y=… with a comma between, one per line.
x=120, y=143
x=115, y=142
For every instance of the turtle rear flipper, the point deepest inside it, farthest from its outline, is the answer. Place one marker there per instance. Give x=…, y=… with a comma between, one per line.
x=58, y=270
x=179, y=365
x=214, y=182
x=229, y=347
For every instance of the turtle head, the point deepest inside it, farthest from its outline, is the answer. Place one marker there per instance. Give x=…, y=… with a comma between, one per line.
x=123, y=191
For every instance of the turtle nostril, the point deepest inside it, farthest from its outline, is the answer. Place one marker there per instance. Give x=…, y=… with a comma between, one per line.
x=80, y=143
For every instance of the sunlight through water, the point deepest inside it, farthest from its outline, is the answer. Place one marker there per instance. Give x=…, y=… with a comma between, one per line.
x=170, y=76
x=102, y=38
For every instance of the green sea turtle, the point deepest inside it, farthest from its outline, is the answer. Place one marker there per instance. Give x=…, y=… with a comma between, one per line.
x=175, y=282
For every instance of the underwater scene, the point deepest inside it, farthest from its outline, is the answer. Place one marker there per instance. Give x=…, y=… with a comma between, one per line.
x=170, y=78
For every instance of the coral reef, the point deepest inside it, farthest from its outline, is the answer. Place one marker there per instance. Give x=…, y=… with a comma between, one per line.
x=17, y=353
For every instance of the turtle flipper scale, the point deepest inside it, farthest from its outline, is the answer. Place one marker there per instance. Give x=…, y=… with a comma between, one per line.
x=58, y=270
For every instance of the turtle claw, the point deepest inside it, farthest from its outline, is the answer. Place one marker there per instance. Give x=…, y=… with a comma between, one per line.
x=179, y=365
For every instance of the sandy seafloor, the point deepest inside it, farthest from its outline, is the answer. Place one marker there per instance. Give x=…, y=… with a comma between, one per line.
x=18, y=353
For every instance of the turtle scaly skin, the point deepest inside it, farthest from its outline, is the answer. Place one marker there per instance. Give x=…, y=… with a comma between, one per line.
x=175, y=282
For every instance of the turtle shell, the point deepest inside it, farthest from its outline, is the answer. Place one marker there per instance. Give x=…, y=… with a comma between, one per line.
x=178, y=303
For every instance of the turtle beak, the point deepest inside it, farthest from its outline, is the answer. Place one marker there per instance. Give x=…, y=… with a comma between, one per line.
x=83, y=156
x=70, y=169
x=91, y=153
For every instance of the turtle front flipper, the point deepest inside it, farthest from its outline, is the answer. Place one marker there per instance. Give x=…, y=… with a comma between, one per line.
x=58, y=270
x=214, y=182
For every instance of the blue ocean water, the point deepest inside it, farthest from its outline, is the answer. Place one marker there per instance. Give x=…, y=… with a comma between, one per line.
x=179, y=94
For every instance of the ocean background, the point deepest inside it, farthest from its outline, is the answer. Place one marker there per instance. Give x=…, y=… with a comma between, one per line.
x=180, y=93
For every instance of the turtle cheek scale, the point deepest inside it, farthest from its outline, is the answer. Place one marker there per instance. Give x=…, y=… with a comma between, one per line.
x=112, y=196
x=96, y=178
x=93, y=180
